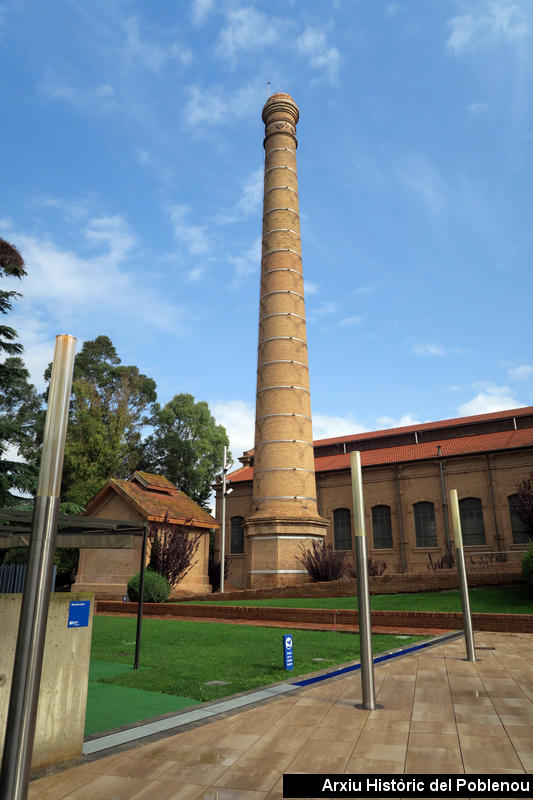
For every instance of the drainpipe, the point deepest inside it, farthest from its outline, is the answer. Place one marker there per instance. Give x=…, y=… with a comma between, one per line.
x=444, y=501
x=499, y=543
x=400, y=520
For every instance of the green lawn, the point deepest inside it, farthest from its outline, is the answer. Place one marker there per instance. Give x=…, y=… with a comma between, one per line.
x=499, y=599
x=179, y=657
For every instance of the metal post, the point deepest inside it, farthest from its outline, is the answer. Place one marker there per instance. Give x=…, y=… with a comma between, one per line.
x=365, y=627
x=223, y=529
x=22, y=713
x=463, y=583
x=141, y=599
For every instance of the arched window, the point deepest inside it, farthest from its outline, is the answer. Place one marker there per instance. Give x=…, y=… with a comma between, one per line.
x=237, y=535
x=520, y=532
x=425, y=529
x=472, y=525
x=342, y=529
x=381, y=527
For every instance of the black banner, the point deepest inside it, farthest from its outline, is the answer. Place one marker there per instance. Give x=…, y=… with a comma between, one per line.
x=404, y=786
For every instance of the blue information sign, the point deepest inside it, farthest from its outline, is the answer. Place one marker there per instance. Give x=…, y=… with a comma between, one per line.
x=287, y=651
x=78, y=613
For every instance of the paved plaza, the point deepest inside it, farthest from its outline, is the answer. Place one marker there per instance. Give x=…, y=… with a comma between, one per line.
x=440, y=714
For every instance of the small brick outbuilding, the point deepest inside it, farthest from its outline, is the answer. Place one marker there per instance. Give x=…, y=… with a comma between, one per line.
x=144, y=498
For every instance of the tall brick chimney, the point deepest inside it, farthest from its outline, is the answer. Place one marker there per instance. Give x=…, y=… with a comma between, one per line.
x=284, y=512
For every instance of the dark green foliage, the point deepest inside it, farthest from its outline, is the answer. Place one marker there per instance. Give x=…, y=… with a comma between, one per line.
x=527, y=566
x=523, y=503
x=104, y=435
x=18, y=399
x=322, y=562
x=156, y=588
x=186, y=446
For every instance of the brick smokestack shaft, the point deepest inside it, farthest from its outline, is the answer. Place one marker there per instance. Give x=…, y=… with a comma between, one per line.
x=284, y=489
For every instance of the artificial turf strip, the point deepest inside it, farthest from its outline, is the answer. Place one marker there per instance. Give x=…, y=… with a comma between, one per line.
x=179, y=657
x=497, y=600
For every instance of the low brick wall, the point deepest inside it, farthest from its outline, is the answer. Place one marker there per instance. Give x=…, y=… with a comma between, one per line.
x=515, y=623
x=394, y=583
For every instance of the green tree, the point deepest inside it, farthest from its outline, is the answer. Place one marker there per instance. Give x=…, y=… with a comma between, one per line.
x=107, y=412
x=18, y=398
x=186, y=446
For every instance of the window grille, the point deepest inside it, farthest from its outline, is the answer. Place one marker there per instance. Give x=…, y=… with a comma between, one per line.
x=425, y=528
x=342, y=529
x=381, y=527
x=520, y=532
x=237, y=535
x=472, y=526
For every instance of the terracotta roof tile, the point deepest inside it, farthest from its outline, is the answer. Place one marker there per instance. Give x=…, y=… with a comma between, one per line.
x=154, y=505
x=462, y=445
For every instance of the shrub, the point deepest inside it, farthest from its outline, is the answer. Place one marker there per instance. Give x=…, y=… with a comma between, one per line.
x=375, y=568
x=322, y=562
x=156, y=587
x=173, y=548
x=527, y=566
x=446, y=562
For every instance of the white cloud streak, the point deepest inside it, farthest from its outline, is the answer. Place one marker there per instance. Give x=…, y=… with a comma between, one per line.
x=246, y=30
x=312, y=45
x=138, y=51
x=521, y=373
x=200, y=11
x=194, y=238
x=486, y=24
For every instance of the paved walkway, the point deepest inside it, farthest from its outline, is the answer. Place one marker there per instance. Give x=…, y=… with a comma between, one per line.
x=441, y=714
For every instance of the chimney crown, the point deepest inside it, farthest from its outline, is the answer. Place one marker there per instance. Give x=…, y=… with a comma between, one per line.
x=280, y=106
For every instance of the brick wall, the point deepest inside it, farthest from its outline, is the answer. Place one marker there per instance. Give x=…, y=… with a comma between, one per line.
x=518, y=623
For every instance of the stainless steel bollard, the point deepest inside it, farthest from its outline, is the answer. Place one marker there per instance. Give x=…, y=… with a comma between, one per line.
x=463, y=582
x=363, y=594
x=22, y=712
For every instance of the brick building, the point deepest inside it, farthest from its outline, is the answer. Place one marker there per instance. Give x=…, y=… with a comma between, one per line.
x=407, y=476
x=145, y=498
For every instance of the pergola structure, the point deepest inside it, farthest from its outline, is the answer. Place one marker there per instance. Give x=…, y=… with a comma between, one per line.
x=83, y=532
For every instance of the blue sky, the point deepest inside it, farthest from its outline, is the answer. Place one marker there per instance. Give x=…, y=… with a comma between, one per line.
x=131, y=174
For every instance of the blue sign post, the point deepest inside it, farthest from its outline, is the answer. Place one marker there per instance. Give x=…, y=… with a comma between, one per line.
x=287, y=651
x=78, y=613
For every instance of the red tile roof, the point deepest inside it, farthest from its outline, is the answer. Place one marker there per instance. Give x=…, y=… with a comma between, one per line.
x=462, y=445
x=154, y=498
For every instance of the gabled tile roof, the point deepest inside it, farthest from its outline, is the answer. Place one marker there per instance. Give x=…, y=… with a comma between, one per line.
x=154, y=498
x=462, y=445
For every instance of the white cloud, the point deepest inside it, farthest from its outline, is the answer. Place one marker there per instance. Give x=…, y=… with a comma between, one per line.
x=488, y=23
x=72, y=292
x=216, y=105
x=327, y=427
x=200, y=10
x=321, y=311
x=151, y=55
x=489, y=398
x=238, y=418
x=521, y=372
x=364, y=290
x=351, y=320
x=311, y=288
x=247, y=30
x=392, y=9
x=312, y=44
x=422, y=179
x=194, y=237
x=93, y=98
x=397, y=422
x=477, y=108
x=252, y=192
x=247, y=263
x=428, y=350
